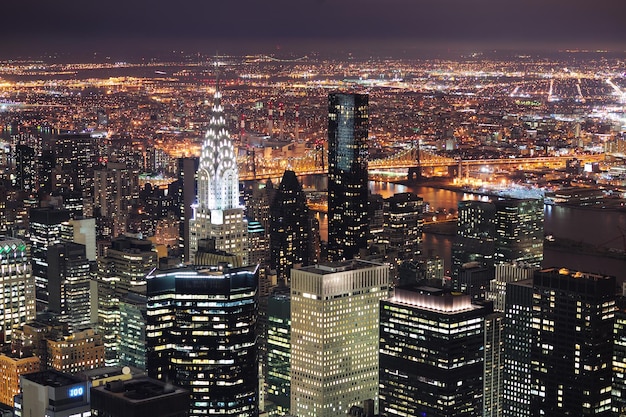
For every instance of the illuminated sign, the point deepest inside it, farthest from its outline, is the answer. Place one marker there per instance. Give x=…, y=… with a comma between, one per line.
x=76, y=392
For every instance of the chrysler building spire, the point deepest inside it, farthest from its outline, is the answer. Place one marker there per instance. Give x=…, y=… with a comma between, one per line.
x=217, y=213
x=218, y=175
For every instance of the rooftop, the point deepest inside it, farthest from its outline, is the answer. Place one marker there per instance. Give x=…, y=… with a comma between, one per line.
x=335, y=267
x=139, y=389
x=52, y=378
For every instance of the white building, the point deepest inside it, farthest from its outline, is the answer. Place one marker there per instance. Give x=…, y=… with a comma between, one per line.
x=217, y=212
x=334, y=336
x=17, y=287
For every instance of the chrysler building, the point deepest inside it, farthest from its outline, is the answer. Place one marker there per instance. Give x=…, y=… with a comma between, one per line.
x=217, y=213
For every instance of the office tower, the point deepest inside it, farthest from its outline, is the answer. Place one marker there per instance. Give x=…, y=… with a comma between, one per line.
x=473, y=279
x=184, y=191
x=11, y=367
x=83, y=231
x=202, y=336
x=116, y=187
x=475, y=236
x=495, y=396
x=69, y=281
x=519, y=337
x=139, y=397
x=258, y=252
x=258, y=197
x=79, y=156
x=573, y=316
x=403, y=225
x=133, y=321
x=334, y=336
x=124, y=268
x=289, y=227
x=519, y=231
x=493, y=365
x=505, y=273
x=502, y=231
x=376, y=215
x=48, y=163
x=619, y=357
x=217, y=212
x=52, y=394
x=76, y=352
x=17, y=287
x=45, y=230
x=26, y=175
x=347, y=175
x=279, y=351
x=431, y=354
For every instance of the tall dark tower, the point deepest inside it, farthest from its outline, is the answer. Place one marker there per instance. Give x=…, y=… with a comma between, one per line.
x=289, y=227
x=347, y=175
x=571, y=359
x=201, y=334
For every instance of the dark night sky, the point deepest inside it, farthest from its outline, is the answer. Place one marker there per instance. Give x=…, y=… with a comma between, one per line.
x=31, y=27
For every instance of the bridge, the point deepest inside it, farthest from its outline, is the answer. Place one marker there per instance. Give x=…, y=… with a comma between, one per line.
x=254, y=166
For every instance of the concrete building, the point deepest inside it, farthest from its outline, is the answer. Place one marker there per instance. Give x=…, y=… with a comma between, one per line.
x=334, y=336
x=52, y=394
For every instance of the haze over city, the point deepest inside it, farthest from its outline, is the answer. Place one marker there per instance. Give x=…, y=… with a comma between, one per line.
x=393, y=27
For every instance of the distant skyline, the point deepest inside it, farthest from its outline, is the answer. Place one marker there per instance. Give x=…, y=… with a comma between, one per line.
x=31, y=28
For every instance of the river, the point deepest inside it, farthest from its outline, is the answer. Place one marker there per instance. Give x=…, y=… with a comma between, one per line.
x=596, y=227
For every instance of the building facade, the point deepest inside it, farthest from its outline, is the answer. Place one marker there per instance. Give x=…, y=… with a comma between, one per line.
x=348, y=123
x=52, y=394
x=217, y=212
x=431, y=354
x=202, y=336
x=334, y=336
x=573, y=314
x=289, y=227
x=17, y=287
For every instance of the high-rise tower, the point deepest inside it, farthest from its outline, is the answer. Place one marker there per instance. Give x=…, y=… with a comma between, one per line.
x=202, y=335
x=347, y=175
x=334, y=336
x=571, y=359
x=217, y=212
x=289, y=227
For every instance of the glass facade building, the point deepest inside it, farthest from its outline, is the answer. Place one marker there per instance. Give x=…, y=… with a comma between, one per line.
x=431, y=354
x=348, y=123
x=202, y=336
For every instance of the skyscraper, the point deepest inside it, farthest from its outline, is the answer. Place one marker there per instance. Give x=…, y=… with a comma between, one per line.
x=69, y=281
x=347, y=175
x=217, y=212
x=501, y=231
x=518, y=341
x=202, y=336
x=17, y=287
x=571, y=359
x=431, y=354
x=124, y=268
x=334, y=336
x=279, y=350
x=289, y=227
x=403, y=224
x=45, y=230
